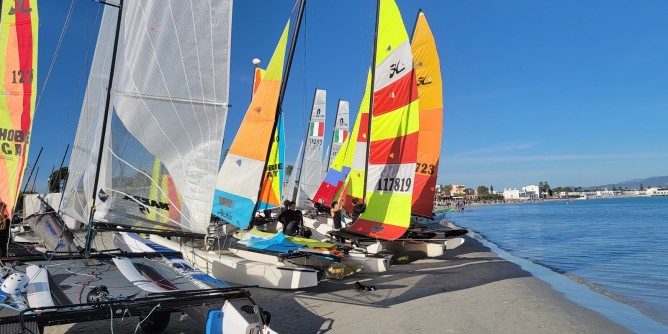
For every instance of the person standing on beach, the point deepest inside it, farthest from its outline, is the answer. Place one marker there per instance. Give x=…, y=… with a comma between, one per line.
x=4, y=230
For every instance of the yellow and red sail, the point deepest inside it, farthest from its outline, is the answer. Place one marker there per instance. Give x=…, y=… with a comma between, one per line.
x=257, y=78
x=430, y=90
x=18, y=68
x=394, y=129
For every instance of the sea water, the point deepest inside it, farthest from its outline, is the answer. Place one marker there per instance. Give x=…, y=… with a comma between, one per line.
x=617, y=246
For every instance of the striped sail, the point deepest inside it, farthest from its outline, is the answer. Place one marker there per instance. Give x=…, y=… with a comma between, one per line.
x=242, y=172
x=394, y=131
x=311, y=171
x=353, y=150
x=272, y=184
x=18, y=65
x=430, y=90
x=168, y=108
x=340, y=130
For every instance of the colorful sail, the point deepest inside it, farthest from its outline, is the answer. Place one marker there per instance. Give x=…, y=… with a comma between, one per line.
x=272, y=184
x=257, y=78
x=394, y=129
x=430, y=90
x=18, y=65
x=340, y=169
x=161, y=146
x=242, y=172
x=311, y=171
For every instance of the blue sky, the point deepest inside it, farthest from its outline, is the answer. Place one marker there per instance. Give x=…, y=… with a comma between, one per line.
x=574, y=93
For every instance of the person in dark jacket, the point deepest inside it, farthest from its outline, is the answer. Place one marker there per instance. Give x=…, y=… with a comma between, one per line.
x=358, y=209
x=291, y=219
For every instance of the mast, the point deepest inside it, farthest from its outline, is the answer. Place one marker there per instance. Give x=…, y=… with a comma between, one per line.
x=373, y=81
x=329, y=156
x=89, y=232
x=417, y=17
x=301, y=164
x=284, y=84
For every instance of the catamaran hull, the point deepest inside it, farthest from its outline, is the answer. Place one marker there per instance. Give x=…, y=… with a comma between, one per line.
x=237, y=270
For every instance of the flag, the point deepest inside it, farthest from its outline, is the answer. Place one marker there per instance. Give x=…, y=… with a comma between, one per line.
x=316, y=129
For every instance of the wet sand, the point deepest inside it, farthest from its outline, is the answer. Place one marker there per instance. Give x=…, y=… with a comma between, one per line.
x=467, y=290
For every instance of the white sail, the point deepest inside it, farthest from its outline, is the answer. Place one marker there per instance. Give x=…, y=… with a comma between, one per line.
x=289, y=190
x=310, y=175
x=341, y=128
x=167, y=115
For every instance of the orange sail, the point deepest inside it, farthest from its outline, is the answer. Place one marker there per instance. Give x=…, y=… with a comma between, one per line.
x=393, y=135
x=430, y=90
x=18, y=89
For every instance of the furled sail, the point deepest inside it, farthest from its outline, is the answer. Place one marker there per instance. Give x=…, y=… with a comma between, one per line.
x=341, y=164
x=394, y=129
x=311, y=172
x=18, y=67
x=241, y=174
x=166, y=119
x=430, y=90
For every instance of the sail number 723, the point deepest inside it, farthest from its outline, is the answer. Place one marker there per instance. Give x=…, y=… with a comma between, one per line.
x=394, y=184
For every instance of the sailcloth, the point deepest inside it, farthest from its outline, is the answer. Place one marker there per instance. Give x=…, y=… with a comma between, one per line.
x=394, y=131
x=272, y=184
x=240, y=177
x=18, y=67
x=339, y=172
x=169, y=101
x=430, y=90
x=340, y=130
x=311, y=171
x=289, y=191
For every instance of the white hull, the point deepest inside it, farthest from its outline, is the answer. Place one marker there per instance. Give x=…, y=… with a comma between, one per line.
x=432, y=249
x=236, y=270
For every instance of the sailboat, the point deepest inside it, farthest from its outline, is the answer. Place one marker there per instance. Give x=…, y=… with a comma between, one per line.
x=341, y=130
x=146, y=113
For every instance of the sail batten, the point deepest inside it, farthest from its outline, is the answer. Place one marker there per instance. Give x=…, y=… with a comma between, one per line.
x=394, y=126
x=430, y=90
x=18, y=91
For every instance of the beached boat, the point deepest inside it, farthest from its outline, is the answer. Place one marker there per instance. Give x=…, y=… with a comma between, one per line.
x=123, y=177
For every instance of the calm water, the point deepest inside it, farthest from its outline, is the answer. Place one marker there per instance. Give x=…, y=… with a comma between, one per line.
x=619, y=245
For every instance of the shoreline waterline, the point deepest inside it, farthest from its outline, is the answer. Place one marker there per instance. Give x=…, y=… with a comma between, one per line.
x=581, y=291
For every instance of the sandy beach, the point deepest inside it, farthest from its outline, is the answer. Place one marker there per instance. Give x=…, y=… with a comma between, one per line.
x=467, y=290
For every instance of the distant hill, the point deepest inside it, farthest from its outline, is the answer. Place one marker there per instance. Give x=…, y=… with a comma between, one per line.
x=654, y=181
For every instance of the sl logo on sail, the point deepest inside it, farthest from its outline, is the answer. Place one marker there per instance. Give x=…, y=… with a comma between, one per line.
x=22, y=6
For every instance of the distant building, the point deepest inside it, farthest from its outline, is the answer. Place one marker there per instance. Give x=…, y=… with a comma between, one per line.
x=532, y=191
x=458, y=189
x=656, y=192
x=513, y=194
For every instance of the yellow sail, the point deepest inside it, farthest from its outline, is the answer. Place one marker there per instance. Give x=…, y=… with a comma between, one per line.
x=18, y=89
x=394, y=129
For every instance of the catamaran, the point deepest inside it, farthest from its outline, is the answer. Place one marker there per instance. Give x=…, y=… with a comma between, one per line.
x=138, y=166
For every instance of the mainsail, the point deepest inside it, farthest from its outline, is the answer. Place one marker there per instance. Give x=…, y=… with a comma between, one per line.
x=242, y=172
x=394, y=125
x=289, y=190
x=340, y=133
x=430, y=90
x=310, y=174
x=18, y=65
x=167, y=110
